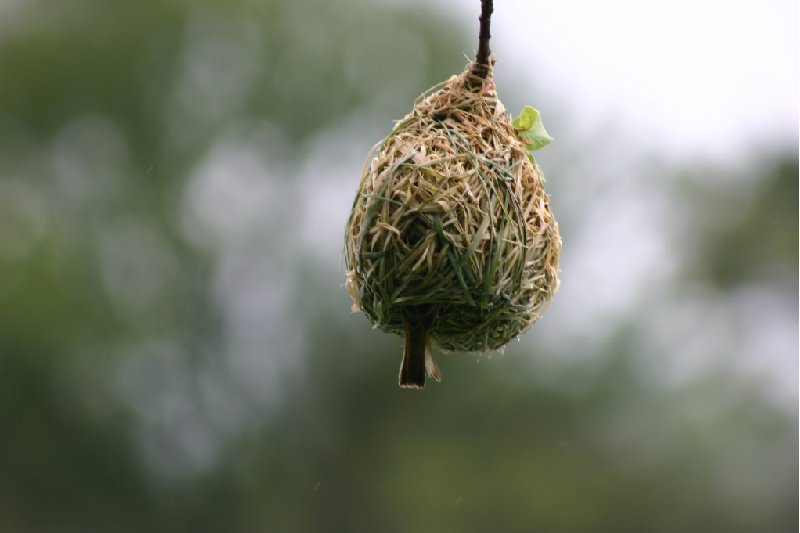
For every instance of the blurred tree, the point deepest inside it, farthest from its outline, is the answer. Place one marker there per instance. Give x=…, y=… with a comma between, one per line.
x=756, y=241
x=104, y=110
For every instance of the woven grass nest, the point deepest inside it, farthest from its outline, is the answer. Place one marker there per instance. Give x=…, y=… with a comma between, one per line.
x=451, y=239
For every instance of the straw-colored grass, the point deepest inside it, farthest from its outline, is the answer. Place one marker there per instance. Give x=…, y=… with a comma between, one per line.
x=451, y=222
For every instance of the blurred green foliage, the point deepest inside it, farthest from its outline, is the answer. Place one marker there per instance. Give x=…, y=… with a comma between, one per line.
x=106, y=110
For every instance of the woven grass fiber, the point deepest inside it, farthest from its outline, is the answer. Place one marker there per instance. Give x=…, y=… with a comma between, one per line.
x=451, y=222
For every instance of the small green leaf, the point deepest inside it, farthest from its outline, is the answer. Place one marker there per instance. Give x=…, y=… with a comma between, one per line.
x=530, y=128
x=526, y=118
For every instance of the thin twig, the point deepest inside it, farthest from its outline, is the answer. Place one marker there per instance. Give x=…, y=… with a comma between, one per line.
x=482, y=67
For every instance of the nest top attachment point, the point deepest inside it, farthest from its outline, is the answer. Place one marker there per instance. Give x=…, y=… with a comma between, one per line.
x=451, y=239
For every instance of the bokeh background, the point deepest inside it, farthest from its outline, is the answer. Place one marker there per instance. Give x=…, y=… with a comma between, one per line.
x=177, y=351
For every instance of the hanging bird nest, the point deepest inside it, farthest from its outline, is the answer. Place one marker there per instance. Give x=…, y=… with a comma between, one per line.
x=451, y=223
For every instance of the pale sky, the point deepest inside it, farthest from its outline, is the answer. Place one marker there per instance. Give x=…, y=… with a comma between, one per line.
x=687, y=78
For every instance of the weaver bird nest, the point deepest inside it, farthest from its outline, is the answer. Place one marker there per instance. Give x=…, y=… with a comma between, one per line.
x=451, y=229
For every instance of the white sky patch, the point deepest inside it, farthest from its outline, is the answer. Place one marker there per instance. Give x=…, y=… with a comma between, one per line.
x=687, y=79
x=327, y=181
x=239, y=203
